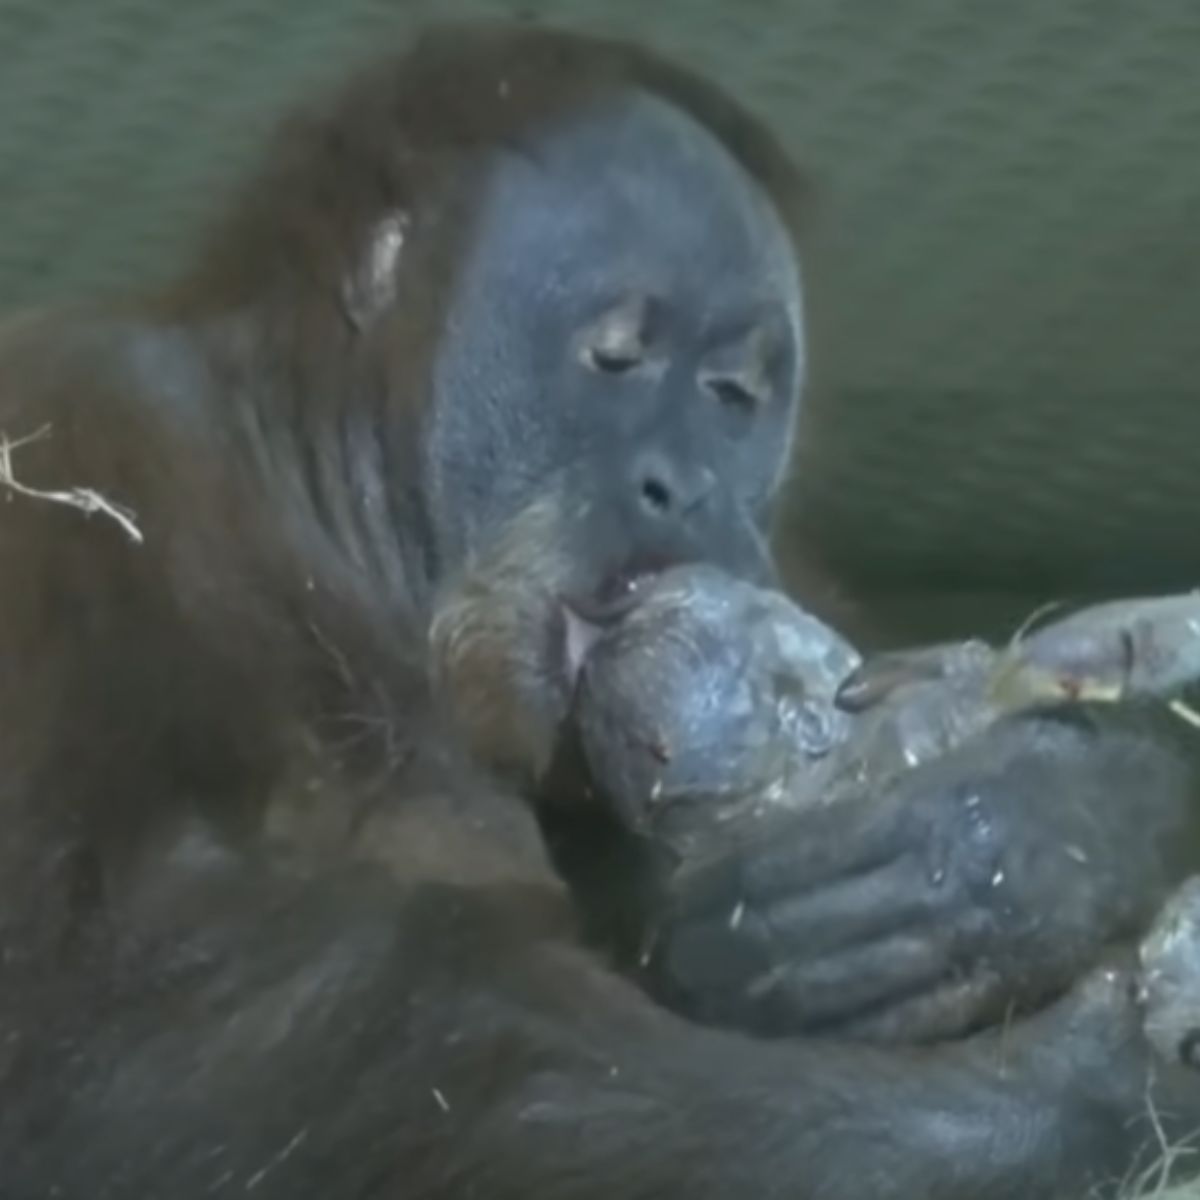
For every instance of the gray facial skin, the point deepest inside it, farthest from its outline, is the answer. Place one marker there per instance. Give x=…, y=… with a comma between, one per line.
x=630, y=302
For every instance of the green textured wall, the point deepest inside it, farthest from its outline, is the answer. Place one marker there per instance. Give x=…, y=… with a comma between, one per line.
x=1006, y=281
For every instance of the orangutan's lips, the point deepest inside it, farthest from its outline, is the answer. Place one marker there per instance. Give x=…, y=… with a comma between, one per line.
x=618, y=596
x=586, y=618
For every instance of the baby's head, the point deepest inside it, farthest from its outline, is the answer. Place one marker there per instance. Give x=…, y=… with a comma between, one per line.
x=708, y=690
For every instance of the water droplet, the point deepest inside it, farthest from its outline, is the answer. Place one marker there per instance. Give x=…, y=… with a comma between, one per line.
x=937, y=876
x=1077, y=853
x=997, y=879
x=735, y=917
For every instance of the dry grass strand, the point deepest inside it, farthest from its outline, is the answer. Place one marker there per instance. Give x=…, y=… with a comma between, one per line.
x=86, y=500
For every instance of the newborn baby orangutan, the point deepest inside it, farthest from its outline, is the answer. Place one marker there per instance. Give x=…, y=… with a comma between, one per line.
x=711, y=702
x=719, y=695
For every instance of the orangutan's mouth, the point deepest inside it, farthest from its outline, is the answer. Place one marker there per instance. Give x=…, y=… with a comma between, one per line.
x=586, y=618
x=616, y=597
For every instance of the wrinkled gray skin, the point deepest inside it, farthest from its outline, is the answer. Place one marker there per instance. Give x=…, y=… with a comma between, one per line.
x=671, y=707
x=725, y=698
